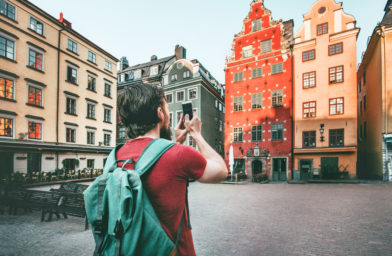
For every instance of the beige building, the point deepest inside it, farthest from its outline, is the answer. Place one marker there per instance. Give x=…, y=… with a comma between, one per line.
x=57, y=93
x=374, y=103
x=325, y=98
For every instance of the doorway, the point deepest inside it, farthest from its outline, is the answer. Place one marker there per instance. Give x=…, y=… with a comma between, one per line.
x=279, y=169
x=7, y=165
x=330, y=167
x=305, y=167
x=34, y=162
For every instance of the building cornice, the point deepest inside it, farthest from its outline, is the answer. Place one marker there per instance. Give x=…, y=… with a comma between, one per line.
x=344, y=34
x=35, y=82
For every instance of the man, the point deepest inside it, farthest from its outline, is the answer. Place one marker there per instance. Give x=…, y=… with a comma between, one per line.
x=142, y=108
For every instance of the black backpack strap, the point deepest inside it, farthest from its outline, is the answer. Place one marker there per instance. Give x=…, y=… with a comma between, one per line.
x=179, y=229
x=187, y=205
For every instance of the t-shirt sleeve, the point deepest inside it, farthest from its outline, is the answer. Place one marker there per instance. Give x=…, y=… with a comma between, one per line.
x=191, y=163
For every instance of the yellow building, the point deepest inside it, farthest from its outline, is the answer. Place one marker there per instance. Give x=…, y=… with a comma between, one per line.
x=325, y=98
x=57, y=93
x=375, y=104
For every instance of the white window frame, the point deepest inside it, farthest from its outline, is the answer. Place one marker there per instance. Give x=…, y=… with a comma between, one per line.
x=255, y=25
x=37, y=87
x=42, y=128
x=174, y=77
x=77, y=72
x=30, y=47
x=172, y=101
x=95, y=109
x=108, y=66
x=43, y=25
x=10, y=39
x=104, y=109
x=77, y=46
x=189, y=90
x=137, y=74
x=76, y=103
x=13, y=126
x=94, y=54
x=264, y=44
x=183, y=91
x=65, y=134
x=186, y=74
x=87, y=131
x=247, y=51
x=110, y=142
x=104, y=89
x=13, y=79
x=154, y=70
x=16, y=11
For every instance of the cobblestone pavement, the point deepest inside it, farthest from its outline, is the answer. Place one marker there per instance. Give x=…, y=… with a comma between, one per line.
x=252, y=219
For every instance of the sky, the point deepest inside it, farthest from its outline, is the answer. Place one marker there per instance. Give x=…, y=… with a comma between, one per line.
x=206, y=28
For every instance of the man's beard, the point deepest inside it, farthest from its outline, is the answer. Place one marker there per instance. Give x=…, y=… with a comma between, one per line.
x=165, y=132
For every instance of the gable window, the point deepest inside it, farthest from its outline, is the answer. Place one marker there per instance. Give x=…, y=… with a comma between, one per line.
x=336, y=75
x=35, y=96
x=108, y=65
x=256, y=101
x=174, y=77
x=91, y=83
x=238, y=77
x=6, y=88
x=35, y=59
x=309, y=139
x=36, y=26
x=193, y=94
x=106, y=139
x=309, y=80
x=257, y=72
x=187, y=74
x=335, y=49
x=308, y=55
x=35, y=130
x=108, y=90
x=266, y=46
x=336, y=137
x=7, y=9
x=247, y=51
x=70, y=135
x=277, y=131
x=7, y=48
x=90, y=110
x=256, y=25
x=70, y=106
x=309, y=109
x=154, y=71
x=72, y=46
x=169, y=98
x=322, y=29
x=277, y=68
x=238, y=134
x=137, y=74
x=90, y=137
x=238, y=104
x=6, y=127
x=107, y=115
x=277, y=98
x=72, y=75
x=92, y=57
x=257, y=133
x=336, y=106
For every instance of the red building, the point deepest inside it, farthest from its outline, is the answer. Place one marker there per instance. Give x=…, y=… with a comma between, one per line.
x=259, y=96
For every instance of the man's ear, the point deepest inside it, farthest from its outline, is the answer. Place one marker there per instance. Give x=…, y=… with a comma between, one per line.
x=161, y=115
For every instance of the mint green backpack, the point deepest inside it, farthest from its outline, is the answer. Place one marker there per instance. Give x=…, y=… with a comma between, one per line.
x=122, y=218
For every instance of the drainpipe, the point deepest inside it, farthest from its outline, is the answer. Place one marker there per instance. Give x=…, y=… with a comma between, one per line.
x=58, y=95
x=292, y=111
x=384, y=77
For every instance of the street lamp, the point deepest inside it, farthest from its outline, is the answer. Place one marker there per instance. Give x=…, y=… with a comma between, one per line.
x=321, y=132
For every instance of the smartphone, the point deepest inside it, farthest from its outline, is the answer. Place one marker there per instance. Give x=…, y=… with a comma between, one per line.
x=187, y=109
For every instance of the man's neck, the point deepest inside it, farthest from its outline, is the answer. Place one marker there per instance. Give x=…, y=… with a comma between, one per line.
x=154, y=133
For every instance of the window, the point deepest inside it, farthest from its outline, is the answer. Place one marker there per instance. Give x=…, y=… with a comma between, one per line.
x=192, y=94
x=220, y=125
x=364, y=103
x=336, y=106
x=70, y=135
x=72, y=75
x=309, y=139
x=238, y=134
x=266, y=46
x=364, y=78
x=6, y=88
x=72, y=46
x=277, y=68
x=238, y=77
x=257, y=72
x=192, y=142
x=309, y=80
x=256, y=25
x=92, y=57
x=335, y=49
x=106, y=139
x=35, y=131
x=360, y=131
x=322, y=29
x=336, y=138
x=277, y=98
x=178, y=116
x=174, y=77
x=35, y=59
x=256, y=101
x=137, y=74
x=107, y=115
x=277, y=131
x=91, y=83
x=247, y=51
x=90, y=137
x=336, y=75
x=171, y=119
x=6, y=127
x=37, y=26
x=154, y=71
x=108, y=90
x=71, y=106
x=365, y=129
x=7, y=9
x=7, y=48
x=216, y=103
x=169, y=98
x=220, y=106
x=360, y=85
x=180, y=96
x=90, y=111
x=308, y=55
x=122, y=132
x=187, y=74
x=238, y=104
x=309, y=109
x=257, y=133
x=108, y=65
x=90, y=163
x=35, y=96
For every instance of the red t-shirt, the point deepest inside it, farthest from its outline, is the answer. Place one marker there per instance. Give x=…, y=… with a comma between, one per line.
x=165, y=185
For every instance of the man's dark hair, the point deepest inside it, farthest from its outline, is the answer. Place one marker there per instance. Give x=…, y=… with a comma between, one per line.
x=137, y=108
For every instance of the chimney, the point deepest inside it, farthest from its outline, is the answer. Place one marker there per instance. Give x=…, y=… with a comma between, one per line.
x=123, y=63
x=64, y=21
x=180, y=52
x=154, y=58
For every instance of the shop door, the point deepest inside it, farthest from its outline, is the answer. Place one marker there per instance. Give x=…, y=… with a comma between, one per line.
x=34, y=162
x=330, y=167
x=7, y=165
x=239, y=166
x=256, y=167
x=279, y=166
x=305, y=167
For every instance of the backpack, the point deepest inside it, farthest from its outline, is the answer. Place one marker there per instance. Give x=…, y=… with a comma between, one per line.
x=122, y=218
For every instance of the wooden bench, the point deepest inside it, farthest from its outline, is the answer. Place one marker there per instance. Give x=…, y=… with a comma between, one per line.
x=70, y=187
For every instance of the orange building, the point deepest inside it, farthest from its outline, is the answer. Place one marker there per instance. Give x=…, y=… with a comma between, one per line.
x=325, y=115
